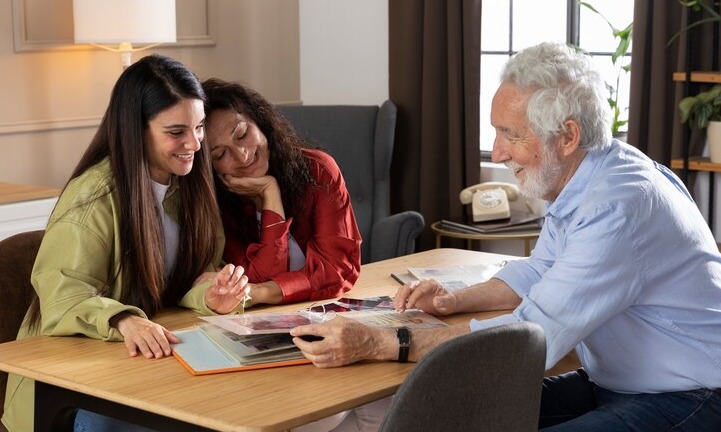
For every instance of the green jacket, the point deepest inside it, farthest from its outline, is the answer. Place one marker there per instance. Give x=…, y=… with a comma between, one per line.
x=79, y=252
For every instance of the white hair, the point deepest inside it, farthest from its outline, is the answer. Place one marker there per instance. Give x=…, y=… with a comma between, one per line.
x=566, y=87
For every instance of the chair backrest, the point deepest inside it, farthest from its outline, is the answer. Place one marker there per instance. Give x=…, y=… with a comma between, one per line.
x=17, y=257
x=360, y=138
x=489, y=380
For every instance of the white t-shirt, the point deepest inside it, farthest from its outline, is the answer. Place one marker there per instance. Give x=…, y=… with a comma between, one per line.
x=171, y=230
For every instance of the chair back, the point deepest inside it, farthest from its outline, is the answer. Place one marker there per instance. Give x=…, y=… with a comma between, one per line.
x=489, y=380
x=17, y=257
x=360, y=138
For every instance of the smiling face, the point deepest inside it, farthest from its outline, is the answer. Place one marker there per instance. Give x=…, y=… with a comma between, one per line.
x=536, y=166
x=237, y=145
x=171, y=139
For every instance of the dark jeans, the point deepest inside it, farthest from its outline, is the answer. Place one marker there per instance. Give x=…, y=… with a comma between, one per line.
x=88, y=421
x=571, y=403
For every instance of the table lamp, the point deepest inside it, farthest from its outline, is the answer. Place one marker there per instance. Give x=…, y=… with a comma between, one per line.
x=122, y=23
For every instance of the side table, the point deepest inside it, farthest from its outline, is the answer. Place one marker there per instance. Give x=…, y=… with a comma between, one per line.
x=526, y=235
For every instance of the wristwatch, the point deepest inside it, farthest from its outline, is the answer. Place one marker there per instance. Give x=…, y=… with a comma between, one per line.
x=404, y=343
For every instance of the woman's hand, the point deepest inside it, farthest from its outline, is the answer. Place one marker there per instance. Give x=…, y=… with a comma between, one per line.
x=264, y=190
x=427, y=295
x=142, y=335
x=227, y=290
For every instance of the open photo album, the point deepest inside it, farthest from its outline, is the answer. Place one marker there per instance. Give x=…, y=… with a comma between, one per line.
x=226, y=343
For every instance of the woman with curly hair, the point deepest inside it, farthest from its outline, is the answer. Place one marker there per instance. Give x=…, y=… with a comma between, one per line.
x=286, y=211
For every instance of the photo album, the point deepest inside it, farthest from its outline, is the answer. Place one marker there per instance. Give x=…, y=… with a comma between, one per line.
x=226, y=343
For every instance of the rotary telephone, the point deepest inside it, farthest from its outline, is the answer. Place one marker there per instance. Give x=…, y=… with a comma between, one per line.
x=490, y=200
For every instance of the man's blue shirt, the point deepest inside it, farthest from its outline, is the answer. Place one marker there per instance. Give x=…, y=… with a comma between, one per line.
x=627, y=272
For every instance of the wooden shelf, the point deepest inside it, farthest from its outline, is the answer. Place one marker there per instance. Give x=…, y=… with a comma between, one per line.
x=697, y=163
x=699, y=76
x=11, y=193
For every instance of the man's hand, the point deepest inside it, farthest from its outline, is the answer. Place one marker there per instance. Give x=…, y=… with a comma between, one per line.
x=142, y=335
x=227, y=290
x=427, y=295
x=344, y=341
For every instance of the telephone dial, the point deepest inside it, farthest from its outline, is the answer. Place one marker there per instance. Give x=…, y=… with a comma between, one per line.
x=489, y=201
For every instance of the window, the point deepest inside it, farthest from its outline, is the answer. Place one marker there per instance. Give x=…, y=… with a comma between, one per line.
x=510, y=25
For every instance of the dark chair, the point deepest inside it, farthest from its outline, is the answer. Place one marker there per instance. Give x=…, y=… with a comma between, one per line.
x=360, y=139
x=489, y=380
x=17, y=257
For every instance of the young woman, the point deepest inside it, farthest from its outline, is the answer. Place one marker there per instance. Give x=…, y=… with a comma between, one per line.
x=286, y=211
x=134, y=227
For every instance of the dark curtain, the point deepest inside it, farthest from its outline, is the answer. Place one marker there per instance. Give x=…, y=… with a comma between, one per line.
x=434, y=68
x=654, y=122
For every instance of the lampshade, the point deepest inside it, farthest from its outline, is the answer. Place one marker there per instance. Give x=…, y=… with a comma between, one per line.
x=118, y=21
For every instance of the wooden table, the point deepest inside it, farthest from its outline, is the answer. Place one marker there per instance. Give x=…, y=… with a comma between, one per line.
x=528, y=236
x=97, y=375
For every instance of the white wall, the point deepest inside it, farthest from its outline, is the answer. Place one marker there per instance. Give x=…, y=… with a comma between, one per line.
x=343, y=51
x=55, y=96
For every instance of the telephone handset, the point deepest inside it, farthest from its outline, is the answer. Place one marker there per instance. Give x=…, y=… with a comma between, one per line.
x=490, y=200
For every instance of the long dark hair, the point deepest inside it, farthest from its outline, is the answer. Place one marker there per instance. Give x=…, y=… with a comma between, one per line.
x=149, y=86
x=286, y=161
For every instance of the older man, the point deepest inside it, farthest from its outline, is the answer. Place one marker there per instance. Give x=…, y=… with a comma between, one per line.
x=626, y=270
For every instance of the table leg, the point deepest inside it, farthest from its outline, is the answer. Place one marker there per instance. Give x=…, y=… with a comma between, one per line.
x=438, y=241
x=55, y=411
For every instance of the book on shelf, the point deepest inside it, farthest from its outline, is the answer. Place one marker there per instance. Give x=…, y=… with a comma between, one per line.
x=227, y=343
x=452, y=278
x=519, y=221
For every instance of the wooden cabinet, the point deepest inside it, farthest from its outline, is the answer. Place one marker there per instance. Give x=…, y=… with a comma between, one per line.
x=25, y=207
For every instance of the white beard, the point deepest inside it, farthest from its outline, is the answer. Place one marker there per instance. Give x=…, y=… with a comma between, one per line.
x=539, y=182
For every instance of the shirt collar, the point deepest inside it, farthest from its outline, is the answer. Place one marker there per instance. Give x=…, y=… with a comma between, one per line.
x=573, y=193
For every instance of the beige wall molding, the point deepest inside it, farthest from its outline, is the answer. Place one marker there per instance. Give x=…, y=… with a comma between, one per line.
x=47, y=25
x=49, y=125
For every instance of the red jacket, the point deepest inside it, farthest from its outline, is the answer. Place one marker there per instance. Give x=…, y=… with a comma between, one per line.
x=325, y=230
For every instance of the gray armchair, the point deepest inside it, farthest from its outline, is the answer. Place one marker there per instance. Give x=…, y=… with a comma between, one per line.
x=488, y=380
x=360, y=139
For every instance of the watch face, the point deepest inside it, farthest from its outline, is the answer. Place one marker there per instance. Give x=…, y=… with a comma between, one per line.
x=490, y=198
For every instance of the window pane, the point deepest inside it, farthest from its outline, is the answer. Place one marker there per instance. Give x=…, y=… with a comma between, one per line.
x=535, y=21
x=616, y=78
x=595, y=34
x=495, y=33
x=491, y=66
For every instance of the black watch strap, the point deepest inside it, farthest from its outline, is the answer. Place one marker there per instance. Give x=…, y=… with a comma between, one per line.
x=404, y=343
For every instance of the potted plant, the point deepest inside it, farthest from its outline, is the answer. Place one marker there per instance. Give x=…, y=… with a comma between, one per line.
x=703, y=111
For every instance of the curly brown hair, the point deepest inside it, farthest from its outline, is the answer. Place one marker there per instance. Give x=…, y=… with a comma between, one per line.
x=286, y=161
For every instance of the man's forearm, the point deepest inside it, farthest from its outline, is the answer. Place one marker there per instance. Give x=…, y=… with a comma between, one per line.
x=486, y=296
x=422, y=341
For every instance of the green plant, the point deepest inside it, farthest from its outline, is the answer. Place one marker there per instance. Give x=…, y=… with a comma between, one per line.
x=622, y=63
x=700, y=109
x=696, y=6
